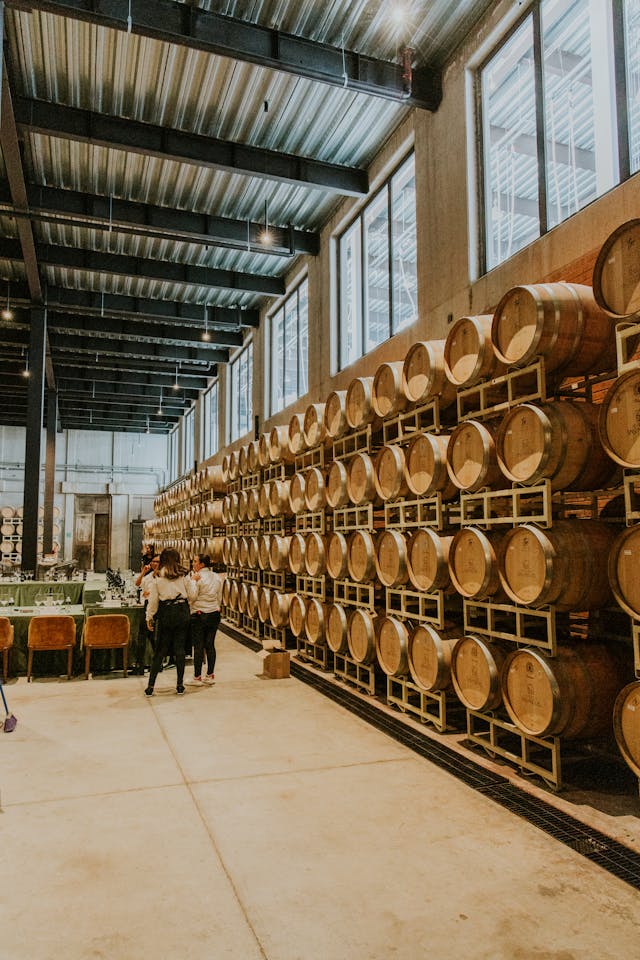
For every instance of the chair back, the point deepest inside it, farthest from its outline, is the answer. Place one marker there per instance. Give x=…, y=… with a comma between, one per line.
x=6, y=633
x=51, y=633
x=107, y=630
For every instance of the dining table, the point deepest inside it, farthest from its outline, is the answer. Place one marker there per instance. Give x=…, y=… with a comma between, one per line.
x=24, y=592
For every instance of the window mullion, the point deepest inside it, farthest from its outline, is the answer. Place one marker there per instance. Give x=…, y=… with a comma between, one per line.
x=390, y=256
x=540, y=120
x=620, y=55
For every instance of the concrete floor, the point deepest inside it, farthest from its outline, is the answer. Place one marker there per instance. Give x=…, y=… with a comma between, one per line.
x=257, y=819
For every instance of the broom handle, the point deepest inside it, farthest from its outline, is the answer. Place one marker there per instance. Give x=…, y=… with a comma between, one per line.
x=4, y=699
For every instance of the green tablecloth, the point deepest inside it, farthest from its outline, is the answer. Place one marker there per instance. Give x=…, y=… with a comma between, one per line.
x=24, y=593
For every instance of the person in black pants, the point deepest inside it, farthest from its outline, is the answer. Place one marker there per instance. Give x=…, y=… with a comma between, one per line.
x=143, y=582
x=168, y=611
x=205, y=618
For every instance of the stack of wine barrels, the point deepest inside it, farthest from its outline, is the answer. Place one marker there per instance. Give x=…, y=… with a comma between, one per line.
x=400, y=436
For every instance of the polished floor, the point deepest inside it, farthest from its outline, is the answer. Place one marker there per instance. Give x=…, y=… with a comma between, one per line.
x=258, y=819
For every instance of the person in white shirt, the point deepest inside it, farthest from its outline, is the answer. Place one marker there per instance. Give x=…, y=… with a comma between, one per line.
x=205, y=618
x=168, y=610
x=143, y=582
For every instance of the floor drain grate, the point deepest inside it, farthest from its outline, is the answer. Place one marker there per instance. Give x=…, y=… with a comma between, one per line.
x=612, y=856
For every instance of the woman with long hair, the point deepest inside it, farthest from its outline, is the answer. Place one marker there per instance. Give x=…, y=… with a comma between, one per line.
x=168, y=611
x=205, y=618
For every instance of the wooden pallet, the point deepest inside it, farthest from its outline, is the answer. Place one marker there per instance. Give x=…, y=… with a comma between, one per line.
x=250, y=625
x=490, y=397
x=424, y=419
x=428, y=706
x=234, y=616
x=252, y=528
x=631, y=485
x=317, y=653
x=635, y=634
x=273, y=525
x=310, y=458
x=490, y=508
x=275, y=580
x=234, y=486
x=358, y=674
x=312, y=587
x=250, y=575
x=352, y=594
x=515, y=623
x=500, y=738
x=626, y=336
x=250, y=481
x=346, y=519
x=316, y=522
x=358, y=441
x=420, y=607
x=421, y=512
x=278, y=637
x=277, y=471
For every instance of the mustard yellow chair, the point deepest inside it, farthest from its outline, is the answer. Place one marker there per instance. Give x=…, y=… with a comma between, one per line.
x=109, y=631
x=6, y=643
x=51, y=633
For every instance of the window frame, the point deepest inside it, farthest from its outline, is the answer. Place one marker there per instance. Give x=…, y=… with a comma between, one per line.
x=279, y=315
x=356, y=226
x=234, y=369
x=210, y=424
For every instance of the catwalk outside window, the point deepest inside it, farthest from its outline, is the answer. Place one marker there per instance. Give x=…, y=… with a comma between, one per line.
x=556, y=133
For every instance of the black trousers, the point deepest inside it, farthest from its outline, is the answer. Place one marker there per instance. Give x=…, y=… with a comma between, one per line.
x=139, y=647
x=172, y=632
x=204, y=627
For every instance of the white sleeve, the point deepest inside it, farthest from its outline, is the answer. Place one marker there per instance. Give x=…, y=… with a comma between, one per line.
x=152, y=605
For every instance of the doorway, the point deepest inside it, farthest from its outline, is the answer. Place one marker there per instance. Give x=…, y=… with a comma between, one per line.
x=92, y=532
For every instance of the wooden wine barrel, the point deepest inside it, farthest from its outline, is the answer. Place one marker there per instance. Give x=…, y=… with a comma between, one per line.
x=626, y=724
x=616, y=274
x=315, y=491
x=243, y=460
x=252, y=601
x=297, y=613
x=423, y=374
x=620, y=420
x=359, y=403
x=296, y=554
x=233, y=595
x=388, y=397
x=624, y=564
x=337, y=554
x=473, y=563
x=336, y=625
x=297, y=442
x=264, y=543
x=214, y=548
x=297, y=500
x=392, y=646
x=391, y=558
x=471, y=456
x=7, y=529
x=565, y=565
x=430, y=654
x=314, y=622
x=476, y=668
x=557, y=441
x=264, y=450
x=279, y=608
x=571, y=694
x=313, y=425
x=264, y=509
x=469, y=356
x=264, y=604
x=226, y=551
x=428, y=560
x=315, y=558
x=243, y=497
x=389, y=473
x=361, y=479
x=361, y=557
x=243, y=596
x=243, y=552
x=233, y=466
x=212, y=479
x=337, y=485
x=214, y=513
x=425, y=466
x=253, y=459
x=279, y=504
x=253, y=503
x=335, y=415
x=251, y=552
x=226, y=587
x=559, y=321
x=279, y=448
x=233, y=552
x=279, y=553
x=361, y=636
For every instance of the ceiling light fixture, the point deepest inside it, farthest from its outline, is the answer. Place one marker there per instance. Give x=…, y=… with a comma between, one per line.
x=176, y=385
x=148, y=429
x=160, y=405
x=399, y=14
x=7, y=313
x=206, y=336
x=25, y=372
x=266, y=237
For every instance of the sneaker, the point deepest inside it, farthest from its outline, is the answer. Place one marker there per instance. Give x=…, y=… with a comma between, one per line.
x=196, y=682
x=210, y=678
x=148, y=692
x=180, y=691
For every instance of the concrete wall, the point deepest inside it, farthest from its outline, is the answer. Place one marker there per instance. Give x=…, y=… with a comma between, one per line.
x=448, y=283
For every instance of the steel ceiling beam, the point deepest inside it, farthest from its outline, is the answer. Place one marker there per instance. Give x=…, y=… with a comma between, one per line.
x=124, y=413
x=127, y=391
x=54, y=205
x=67, y=300
x=164, y=271
x=263, y=46
x=128, y=349
x=109, y=370
x=134, y=329
x=150, y=405
x=132, y=136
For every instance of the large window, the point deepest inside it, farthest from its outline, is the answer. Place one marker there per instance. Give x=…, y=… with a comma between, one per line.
x=241, y=393
x=556, y=131
x=210, y=434
x=188, y=439
x=377, y=268
x=289, y=349
x=173, y=454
